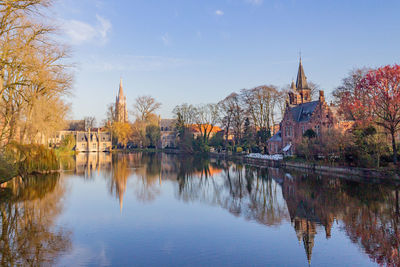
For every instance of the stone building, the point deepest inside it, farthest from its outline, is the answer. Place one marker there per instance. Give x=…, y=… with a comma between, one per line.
x=121, y=111
x=168, y=134
x=93, y=141
x=300, y=115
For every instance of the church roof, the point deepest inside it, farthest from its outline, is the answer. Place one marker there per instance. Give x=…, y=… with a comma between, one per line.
x=301, y=82
x=303, y=112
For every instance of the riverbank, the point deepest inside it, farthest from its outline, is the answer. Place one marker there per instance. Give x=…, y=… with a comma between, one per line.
x=344, y=171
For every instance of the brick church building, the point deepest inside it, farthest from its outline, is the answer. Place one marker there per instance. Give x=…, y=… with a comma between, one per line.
x=301, y=114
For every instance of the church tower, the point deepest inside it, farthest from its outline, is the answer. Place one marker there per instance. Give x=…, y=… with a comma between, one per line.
x=302, y=85
x=121, y=111
x=300, y=92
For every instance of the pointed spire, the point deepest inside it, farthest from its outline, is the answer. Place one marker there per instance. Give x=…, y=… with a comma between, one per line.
x=121, y=91
x=293, y=86
x=301, y=82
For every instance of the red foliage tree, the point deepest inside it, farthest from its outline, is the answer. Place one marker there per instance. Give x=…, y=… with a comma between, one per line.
x=376, y=100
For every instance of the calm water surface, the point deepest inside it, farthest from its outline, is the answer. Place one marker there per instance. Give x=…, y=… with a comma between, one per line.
x=166, y=210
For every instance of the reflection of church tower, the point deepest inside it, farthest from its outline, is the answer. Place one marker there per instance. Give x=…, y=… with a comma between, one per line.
x=120, y=175
x=305, y=230
x=121, y=111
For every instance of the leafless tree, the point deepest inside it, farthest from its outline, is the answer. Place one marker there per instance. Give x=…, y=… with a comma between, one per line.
x=260, y=103
x=206, y=118
x=186, y=113
x=34, y=75
x=144, y=106
x=90, y=122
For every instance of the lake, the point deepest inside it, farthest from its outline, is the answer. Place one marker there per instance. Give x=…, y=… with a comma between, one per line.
x=157, y=209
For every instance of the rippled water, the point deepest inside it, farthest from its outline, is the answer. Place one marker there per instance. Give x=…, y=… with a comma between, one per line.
x=158, y=209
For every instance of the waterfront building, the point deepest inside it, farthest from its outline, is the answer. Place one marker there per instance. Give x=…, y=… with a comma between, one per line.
x=121, y=110
x=96, y=140
x=301, y=114
x=93, y=141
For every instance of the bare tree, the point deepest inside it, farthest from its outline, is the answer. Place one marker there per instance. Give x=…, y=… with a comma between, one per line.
x=227, y=112
x=144, y=106
x=314, y=88
x=206, y=118
x=260, y=105
x=110, y=114
x=186, y=113
x=90, y=122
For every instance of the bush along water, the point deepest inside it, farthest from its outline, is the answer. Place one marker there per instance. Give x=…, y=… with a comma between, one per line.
x=32, y=158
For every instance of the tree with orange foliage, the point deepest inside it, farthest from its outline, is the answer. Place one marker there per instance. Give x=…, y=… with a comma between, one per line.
x=376, y=100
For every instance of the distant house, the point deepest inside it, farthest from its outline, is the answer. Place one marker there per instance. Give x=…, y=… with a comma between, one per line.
x=302, y=114
x=93, y=141
x=85, y=141
x=168, y=138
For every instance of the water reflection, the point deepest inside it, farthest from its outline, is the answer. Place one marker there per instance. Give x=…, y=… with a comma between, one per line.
x=29, y=208
x=367, y=213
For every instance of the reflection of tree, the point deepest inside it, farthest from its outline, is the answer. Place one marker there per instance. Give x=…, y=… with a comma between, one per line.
x=376, y=227
x=29, y=209
x=148, y=176
x=247, y=192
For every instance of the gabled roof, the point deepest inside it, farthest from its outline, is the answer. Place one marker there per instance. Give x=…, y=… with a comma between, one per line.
x=276, y=138
x=301, y=82
x=303, y=112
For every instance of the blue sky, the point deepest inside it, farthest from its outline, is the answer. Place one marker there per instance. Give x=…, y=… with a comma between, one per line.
x=199, y=51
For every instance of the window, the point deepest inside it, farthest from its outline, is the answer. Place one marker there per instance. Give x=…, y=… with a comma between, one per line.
x=94, y=145
x=317, y=129
x=303, y=129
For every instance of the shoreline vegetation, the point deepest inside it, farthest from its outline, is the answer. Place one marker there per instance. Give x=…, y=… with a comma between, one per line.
x=23, y=160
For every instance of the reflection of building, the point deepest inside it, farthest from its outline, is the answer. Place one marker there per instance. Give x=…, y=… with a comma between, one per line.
x=307, y=211
x=121, y=111
x=87, y=163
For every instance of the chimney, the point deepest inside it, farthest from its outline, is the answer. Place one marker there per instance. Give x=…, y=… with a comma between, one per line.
x=321, y=96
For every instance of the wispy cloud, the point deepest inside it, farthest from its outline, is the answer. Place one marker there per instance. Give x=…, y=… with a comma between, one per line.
x=105, y=26
x=166, y=39
x=78, y=32
x=255, y=2
x=219, y=12
x=126, y=62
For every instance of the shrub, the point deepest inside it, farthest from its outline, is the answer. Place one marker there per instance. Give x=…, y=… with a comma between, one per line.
x=32, y=158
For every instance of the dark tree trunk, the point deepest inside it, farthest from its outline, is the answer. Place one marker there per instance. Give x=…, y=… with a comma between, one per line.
x=394, y=147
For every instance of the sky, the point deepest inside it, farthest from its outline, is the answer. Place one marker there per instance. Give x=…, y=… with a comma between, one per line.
x=199, y=51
